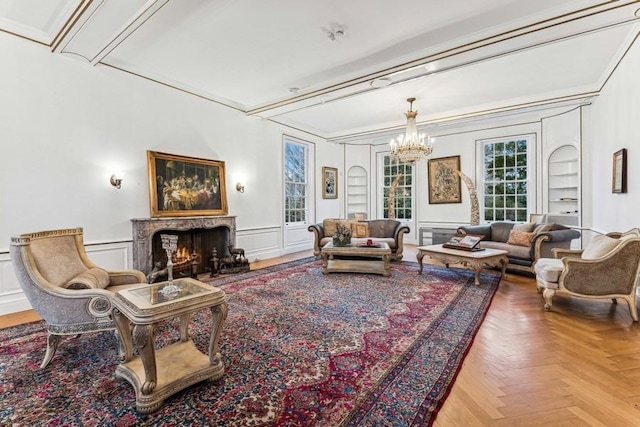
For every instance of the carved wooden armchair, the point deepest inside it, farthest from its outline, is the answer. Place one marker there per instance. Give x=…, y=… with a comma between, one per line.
x=64, y=287
x=609, y=267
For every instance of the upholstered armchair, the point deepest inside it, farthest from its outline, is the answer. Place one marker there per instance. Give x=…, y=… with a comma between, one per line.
x=71, y=293
x=608, y=267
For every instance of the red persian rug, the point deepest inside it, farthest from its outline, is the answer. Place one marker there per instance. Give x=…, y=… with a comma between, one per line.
x=300, y=349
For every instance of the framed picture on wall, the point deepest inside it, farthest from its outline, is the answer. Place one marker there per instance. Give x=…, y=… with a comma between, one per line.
x=619, y=175
x=329, y=183
x=186, y=186
x=444, y=182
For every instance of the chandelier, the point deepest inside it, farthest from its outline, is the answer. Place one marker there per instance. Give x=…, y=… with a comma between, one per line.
x=411, y=146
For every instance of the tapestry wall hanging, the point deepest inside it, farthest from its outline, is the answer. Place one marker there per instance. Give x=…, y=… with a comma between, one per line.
x=444, y=182
x=186, y=186
x=330, y=183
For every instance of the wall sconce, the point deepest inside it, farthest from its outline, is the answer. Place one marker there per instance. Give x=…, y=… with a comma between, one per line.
x=240, y=187
x=116, y=179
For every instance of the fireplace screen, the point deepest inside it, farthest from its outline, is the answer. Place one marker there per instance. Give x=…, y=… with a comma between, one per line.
x=193, y=254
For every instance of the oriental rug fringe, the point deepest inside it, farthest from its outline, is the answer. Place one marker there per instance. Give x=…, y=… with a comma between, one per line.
x=299, y=348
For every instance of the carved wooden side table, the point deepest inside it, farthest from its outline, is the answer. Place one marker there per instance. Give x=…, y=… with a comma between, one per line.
x=476, y=260
x=157, y=374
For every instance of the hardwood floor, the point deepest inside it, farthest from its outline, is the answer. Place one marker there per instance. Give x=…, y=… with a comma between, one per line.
x=578, y=365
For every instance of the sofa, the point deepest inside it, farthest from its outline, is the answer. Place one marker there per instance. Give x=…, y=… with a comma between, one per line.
x=525, y=243
x=379, y=230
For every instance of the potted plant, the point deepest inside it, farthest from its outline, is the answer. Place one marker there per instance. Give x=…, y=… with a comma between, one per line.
x=342, y=236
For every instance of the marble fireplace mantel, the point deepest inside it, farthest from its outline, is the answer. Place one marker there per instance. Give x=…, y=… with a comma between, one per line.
x=145, y=228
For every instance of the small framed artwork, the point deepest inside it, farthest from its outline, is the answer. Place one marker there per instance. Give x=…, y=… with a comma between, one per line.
x=186, y=186
x=619, y=176
x=444, y=182
x=329, y=183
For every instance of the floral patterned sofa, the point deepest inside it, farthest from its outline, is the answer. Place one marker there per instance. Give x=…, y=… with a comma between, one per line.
x=379, y=230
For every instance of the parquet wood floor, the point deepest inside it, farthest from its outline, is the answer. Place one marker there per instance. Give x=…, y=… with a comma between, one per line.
x=578, y=365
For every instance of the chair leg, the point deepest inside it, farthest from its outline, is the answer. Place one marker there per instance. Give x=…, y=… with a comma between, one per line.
x=548, y=294
x=52, y=345
x=633, y=309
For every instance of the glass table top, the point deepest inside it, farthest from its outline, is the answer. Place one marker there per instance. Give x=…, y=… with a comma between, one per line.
x=164, y=292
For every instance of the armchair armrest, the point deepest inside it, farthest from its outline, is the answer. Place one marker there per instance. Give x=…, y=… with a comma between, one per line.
x=400, y=230
x=318, y=234
x=484, y=230
x=562, y=253
x=562, y=235
x=125, y=277
x=543, y=244
x=398, y=236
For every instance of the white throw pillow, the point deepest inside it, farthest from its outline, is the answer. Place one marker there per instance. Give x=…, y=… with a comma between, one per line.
x=599, y=246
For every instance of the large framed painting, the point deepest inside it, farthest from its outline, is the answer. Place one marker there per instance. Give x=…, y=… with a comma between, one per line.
x=330, y=183
x=444, y=182
x=619, y=176
x=186, y=186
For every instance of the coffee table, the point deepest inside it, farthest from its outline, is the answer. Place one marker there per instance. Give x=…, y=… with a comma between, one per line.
x=356, y=258
x=476, y=260
x=157, y=374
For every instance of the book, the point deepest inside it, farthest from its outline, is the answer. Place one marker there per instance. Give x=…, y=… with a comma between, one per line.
x=465, y=242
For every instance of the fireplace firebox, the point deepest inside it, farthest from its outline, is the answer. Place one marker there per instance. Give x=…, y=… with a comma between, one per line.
x=197, y=238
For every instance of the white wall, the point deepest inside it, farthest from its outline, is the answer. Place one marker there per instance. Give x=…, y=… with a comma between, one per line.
x=452, y=141
x=614, y=125
x=66, y=126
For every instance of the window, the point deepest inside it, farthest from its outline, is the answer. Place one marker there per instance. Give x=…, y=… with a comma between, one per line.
x=295, y=182
x=505, y=185
x=404, y=191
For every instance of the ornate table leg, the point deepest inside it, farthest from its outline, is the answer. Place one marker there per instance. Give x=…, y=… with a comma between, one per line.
x=218, y=317
x=325, y=262
x=184, y=327
x=477, y=267
x=504, y=261
x=419, y=256
x=123, y=332
x=143, y=338
x=387, y=267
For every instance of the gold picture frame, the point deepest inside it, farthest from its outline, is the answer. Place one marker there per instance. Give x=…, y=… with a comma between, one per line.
x=619, y=175
x=329, y=183
x=444, y=183
x=186, y=186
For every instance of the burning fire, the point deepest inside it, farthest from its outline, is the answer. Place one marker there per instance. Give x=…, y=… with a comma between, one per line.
x=182, y=255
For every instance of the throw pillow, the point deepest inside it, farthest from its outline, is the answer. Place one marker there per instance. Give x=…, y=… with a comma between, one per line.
x=543, y=228
x=599, y=246
x=93, y=278
x=527, y=227
x=330, y=226
x=360, y=229
x=520, y=238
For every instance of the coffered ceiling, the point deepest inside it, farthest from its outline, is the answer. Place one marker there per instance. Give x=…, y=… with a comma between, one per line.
x=342, y=69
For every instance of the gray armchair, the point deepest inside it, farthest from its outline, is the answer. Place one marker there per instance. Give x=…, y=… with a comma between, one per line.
x=71, y=293
x=608, y=268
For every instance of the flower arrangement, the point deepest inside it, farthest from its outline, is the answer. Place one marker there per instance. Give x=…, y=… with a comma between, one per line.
x=342, y=236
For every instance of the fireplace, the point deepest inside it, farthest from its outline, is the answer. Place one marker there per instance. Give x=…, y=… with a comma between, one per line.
x=197, y=237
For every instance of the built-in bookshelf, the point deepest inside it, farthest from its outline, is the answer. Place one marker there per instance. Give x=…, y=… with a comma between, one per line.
x=357, y=193
x=564, y=185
